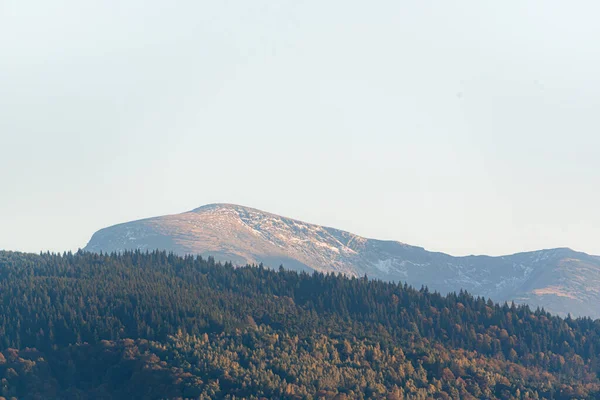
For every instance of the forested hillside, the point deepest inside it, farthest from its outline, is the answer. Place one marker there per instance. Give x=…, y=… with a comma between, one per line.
x=156, y=325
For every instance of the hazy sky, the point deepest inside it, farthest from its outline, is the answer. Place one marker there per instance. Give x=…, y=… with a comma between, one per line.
x=464, y=127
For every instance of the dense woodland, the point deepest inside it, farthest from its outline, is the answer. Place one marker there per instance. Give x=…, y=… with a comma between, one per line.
x=155, y=325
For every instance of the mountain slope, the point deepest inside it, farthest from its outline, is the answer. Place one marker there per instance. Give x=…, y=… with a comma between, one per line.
x=159, y=326
x=561, y=280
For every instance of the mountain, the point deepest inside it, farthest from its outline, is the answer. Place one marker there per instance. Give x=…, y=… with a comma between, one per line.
x=560, y=280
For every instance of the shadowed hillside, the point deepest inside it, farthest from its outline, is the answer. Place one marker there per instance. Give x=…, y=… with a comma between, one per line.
x=155, y=325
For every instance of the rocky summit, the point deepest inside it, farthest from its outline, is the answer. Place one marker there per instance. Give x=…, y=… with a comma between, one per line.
x=560, y=280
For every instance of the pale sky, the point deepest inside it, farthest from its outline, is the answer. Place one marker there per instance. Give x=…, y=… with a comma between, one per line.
x=469, y=127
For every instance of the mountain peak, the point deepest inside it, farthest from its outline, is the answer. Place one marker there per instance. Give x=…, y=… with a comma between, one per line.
x=218, y=206
x=558, y=279
x=227, y=206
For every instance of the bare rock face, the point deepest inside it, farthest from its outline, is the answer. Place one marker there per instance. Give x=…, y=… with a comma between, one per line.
x=560, y=280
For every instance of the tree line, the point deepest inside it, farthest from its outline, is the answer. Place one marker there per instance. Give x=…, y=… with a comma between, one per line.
x=88, y=325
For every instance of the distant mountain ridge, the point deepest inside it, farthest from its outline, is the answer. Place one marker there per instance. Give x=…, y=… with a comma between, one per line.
x=560, y=280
